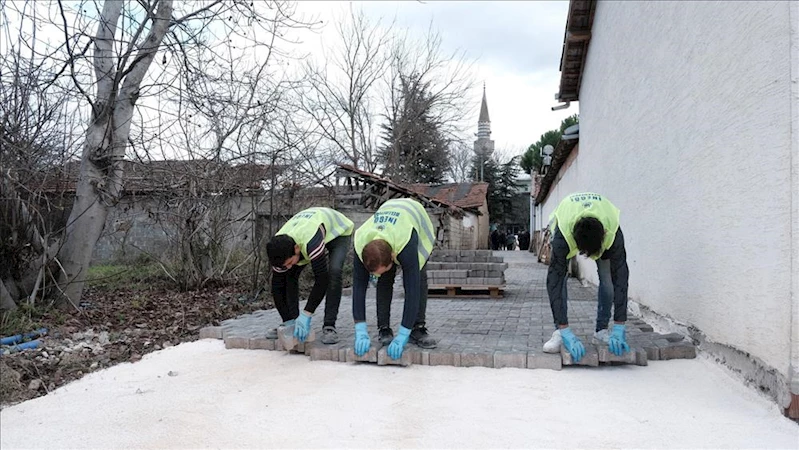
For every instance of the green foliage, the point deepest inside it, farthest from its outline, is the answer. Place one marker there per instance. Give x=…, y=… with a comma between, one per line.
x=27, y=318
x=128, y=276
x=415, y=150
x=501, y=179
x=531, y=159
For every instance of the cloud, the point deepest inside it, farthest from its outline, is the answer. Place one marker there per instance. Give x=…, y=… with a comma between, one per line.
x=520, y=36
x=516, y=45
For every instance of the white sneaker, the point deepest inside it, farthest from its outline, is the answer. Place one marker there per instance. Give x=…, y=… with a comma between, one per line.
x=553, y=345
x=602, y=336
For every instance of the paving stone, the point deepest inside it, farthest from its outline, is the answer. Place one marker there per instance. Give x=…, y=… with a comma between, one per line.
x=476, y=359
x=652, y=352
x=289, y=343
x=646, y=328
x=443, y=359
x=641, y=357
x=494, y=281
x=262, y=343
x=521, y=321
x=286, y=339
x=370, y=356
x=591, y=357
x=606, y=356
x=671, y=337
x=678, y=350
x=510, y=359
x=415, y=354
x=425, y=358
x=540, y=360
x=237, y=342
x=211, y=333
x=384, y=360
x=321, y=352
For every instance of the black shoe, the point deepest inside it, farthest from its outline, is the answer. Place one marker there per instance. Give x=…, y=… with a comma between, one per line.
x=329, y=335
x=420, y=337
x=385, y=336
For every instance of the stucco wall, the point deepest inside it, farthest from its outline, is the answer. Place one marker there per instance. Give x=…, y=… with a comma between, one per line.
x=142, y=224
x=685, y=124
x=483, y=225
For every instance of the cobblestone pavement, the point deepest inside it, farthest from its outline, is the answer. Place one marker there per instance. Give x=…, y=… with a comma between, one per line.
x=506, y=332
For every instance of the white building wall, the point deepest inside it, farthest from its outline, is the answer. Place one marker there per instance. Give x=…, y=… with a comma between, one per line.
x=685, y=124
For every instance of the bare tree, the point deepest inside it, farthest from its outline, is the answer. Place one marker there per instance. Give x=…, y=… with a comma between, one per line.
x=420, y=68
x=460, y=168
x=109, y=71
x=36, y=136
x=342, y=90
x=219, y=100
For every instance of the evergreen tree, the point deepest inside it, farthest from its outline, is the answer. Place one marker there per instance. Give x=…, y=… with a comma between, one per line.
x=414, y=151
x=532, y=157
x=501, y=179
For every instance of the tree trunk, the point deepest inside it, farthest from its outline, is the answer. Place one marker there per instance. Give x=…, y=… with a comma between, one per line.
x=6, y=302
x=101, y=172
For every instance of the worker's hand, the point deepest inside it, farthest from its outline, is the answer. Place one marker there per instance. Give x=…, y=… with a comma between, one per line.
x=572, y=344
x=398, y=344
x=302, y=326
x=362, y=341
x=617, y=343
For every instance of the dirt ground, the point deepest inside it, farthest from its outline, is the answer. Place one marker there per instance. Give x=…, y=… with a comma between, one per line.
x=116, y=325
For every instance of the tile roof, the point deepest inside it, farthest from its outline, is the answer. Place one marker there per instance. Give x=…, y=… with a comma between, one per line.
x=168, y=175
x=465, y=195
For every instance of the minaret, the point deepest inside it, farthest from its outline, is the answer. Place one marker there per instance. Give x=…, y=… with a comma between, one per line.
x=484, y=146
x=484, y=123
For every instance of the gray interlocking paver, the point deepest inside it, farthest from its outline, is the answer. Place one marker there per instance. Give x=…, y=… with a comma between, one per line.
x=504, y=332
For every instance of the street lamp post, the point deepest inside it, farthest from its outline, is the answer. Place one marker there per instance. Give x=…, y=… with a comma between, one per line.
x=546, y=155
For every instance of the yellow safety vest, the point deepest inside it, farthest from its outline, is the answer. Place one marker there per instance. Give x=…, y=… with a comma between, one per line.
x=585, y=204
x=394, y=223
x=304, y=225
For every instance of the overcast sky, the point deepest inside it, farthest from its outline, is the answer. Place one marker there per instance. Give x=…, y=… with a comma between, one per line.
x=516, y=45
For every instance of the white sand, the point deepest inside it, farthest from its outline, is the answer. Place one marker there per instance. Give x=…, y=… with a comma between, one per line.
x=247, y=398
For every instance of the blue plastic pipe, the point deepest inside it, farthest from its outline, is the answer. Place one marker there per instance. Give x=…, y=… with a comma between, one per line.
x=23, y=346
x=21, y=337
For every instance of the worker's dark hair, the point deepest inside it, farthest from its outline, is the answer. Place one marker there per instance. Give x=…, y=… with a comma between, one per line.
x=279, y=249
x=376, y=254
x=588, y=234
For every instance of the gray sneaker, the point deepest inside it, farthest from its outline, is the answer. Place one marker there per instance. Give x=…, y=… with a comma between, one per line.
x=602, y=336
x=422, y=338
x=329, y=335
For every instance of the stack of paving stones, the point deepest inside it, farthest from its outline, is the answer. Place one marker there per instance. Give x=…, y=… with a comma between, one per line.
x=505, y=332
x=464, y=268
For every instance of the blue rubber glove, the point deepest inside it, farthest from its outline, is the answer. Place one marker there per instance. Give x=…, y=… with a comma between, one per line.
x=302, y=326
x=398, y=344
x=362, y=341
x=572, y=344
x=617, y=343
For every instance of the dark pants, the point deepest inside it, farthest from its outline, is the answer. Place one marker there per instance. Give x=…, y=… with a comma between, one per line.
x=385, y=293
x=288, y=305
